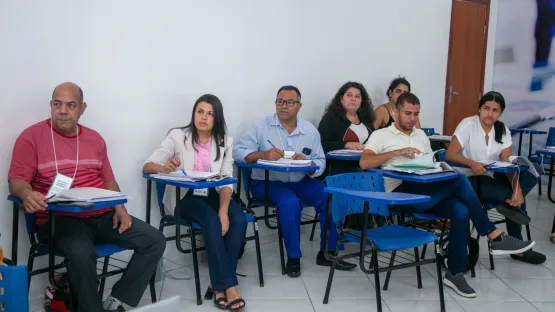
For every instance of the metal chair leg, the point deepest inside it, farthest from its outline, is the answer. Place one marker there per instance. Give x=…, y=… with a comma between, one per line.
x=377, y=278
x=439, y=279
x=30, y=262
x=423, y=255
x=388, y=275
x=330, y=280
x=280, y=243
x=313, y=227
x=418, y=273
x=258, y=254
x=195, y=265
x=103, y=280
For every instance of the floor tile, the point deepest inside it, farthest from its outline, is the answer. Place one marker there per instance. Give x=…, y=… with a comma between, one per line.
x=533, y=289
x=544, y=306
x=498, y=306
x=421, y=305
x=488, y=289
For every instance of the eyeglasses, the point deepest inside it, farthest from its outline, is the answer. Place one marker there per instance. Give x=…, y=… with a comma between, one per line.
x=290, y=103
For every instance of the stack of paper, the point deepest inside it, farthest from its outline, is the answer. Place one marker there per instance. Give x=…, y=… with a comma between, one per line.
x=421, y=164
x=86, y=194
x=282, y=162
x=438, y=137
x=550, y=147
x=346, y=152
x=191, y=176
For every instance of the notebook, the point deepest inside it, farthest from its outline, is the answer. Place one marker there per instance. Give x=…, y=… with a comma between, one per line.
x=346, y=152
x=188, y=176
x=86, y=194
x=421, y=164
x=282, y=162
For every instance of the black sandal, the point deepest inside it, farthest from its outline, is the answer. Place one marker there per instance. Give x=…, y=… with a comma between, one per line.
x=236, y=301
x=218, y=303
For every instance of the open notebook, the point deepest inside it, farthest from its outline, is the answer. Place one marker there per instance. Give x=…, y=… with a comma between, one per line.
x=282, y=162
x=86, y=194
x=189, y=176
x=421, y=164
x=346, y=152
x=517, y=160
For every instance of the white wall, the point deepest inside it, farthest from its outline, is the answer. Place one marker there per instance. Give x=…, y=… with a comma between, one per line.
x=142, y=64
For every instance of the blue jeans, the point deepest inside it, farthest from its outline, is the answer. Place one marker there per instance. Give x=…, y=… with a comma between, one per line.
x=222, y=251
x=497, y=189
x=454, y=199
x=288, y=197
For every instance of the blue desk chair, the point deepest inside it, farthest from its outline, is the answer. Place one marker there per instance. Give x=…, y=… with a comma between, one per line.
x=14, y=289
x=543, y=160
x=245, y=180
x=104, y=251
x=429, y=131
x=195, y=229
x=364, y=193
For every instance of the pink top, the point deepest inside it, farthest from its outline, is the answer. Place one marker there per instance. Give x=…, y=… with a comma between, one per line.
x=202, y=156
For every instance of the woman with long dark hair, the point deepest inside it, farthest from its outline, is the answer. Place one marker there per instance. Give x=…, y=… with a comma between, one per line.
x=347, y=121
x=480, y=140
x=204, y=146
x=385, y=112
x=347, y=124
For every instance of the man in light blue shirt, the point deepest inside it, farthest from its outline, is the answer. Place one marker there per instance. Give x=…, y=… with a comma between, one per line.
x=271, y=139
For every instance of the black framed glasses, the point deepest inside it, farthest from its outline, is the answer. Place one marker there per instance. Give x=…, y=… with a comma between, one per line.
x=290, y=103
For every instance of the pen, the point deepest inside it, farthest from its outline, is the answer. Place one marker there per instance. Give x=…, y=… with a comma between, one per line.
x=271, y=144
x=182, y=170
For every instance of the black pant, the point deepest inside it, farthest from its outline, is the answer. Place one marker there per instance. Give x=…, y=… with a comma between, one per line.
x=222, y=251
x=77, y=237
x=545, y=24
x=497, y=189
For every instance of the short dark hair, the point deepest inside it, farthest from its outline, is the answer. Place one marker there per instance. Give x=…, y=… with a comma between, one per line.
x=408, y=98
x=395, y=82
x=290, y=88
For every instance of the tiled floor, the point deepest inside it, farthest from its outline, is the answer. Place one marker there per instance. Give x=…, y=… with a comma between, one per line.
x=512, y=286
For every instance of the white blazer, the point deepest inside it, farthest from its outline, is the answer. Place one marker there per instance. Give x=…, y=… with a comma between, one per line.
x=175, y=144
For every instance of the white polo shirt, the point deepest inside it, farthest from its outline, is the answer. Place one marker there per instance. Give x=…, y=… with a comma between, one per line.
x=390, y=139
x=472, y=138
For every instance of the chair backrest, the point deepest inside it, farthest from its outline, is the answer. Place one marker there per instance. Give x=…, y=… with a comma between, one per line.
x=429, y=131
x=13, y=289
x=360, y=181
x=160, y=189
x=31, y=226
x=167, y=305
x=550, y=137
x=441, y=155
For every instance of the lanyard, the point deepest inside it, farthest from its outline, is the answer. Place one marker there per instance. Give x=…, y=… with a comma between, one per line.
x=281, y=142
x=54, y=146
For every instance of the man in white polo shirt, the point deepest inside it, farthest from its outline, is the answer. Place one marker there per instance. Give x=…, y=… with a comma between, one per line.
x=454, y=199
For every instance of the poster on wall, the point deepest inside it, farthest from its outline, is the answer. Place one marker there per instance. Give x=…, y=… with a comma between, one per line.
x=524, y=66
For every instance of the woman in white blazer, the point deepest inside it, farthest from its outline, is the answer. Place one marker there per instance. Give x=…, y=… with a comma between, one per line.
x=204, y=146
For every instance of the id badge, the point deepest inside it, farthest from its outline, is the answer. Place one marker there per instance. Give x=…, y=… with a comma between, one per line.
x=288, y=154
x=201, y=192
x=60, y=183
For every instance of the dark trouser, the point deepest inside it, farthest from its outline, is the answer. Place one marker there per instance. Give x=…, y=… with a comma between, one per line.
x=454, y=199
x=77, y=237
x=497, y=189
x=222, y=251
x=288, y=197
x=545, y=30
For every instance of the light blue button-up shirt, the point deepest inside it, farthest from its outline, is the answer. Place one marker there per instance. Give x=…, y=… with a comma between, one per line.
x=305, y=139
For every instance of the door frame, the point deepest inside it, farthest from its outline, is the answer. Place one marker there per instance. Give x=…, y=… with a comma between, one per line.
x=449, y=57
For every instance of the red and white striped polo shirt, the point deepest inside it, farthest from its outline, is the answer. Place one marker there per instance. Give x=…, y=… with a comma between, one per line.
x=33, y=161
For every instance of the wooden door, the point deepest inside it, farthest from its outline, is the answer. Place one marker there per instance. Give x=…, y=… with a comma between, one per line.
x=466, y=62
